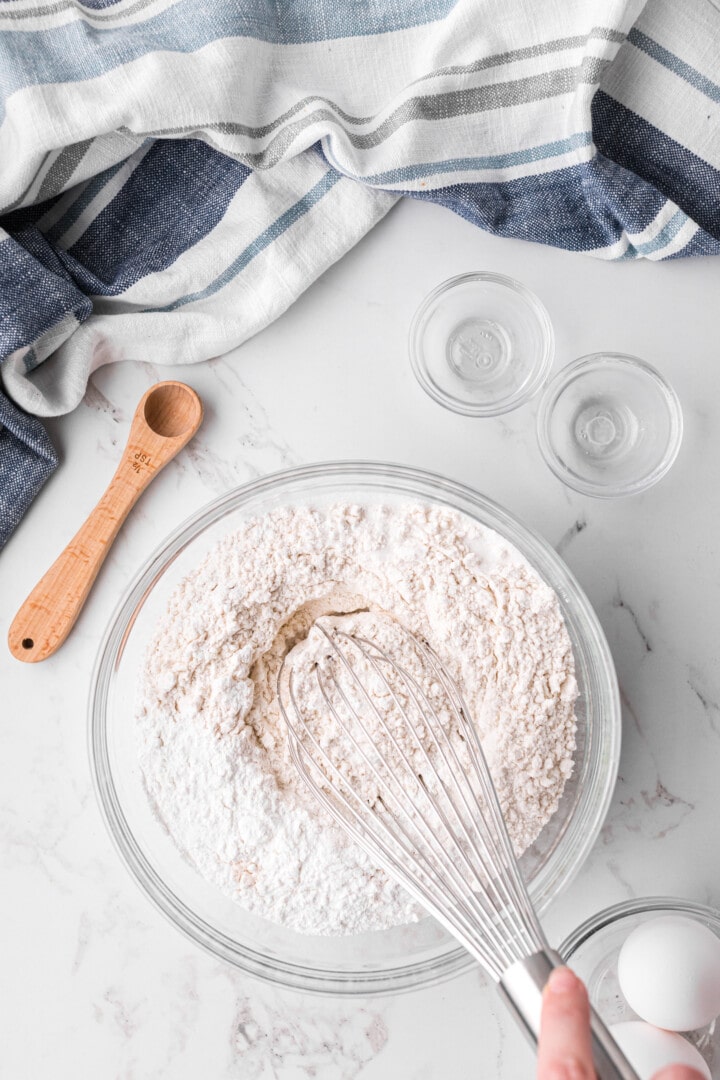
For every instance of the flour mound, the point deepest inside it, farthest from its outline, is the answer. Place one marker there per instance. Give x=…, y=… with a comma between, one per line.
x=211, y=741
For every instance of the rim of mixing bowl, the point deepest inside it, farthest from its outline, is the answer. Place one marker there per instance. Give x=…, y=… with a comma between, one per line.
x=580, y=831
x=644, y=905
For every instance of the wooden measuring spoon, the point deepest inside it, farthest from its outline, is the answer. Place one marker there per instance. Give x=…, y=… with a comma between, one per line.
x=166, y=419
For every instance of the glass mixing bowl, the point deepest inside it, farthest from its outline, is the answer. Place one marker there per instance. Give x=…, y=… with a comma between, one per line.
x=408, y=956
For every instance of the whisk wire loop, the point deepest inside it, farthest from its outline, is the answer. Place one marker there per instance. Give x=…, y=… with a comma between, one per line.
x=489, y=796
x=416, y=693
x=436, y=818
x=472, y=834
x=405, y=829
x=456, y=918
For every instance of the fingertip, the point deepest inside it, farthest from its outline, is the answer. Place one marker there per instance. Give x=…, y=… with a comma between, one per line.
x=564, y=1046
x=563, y=981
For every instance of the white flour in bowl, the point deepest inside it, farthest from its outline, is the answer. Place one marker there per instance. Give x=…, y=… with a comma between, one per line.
x=212, y=744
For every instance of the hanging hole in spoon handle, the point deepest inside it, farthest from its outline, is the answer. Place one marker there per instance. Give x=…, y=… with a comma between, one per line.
x=521, y=987
x=166, y=418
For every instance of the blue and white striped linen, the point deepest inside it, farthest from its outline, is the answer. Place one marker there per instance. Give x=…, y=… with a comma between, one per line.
x=173, y=175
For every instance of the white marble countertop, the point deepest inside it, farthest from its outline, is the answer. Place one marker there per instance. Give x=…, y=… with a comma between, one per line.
x=96, y=984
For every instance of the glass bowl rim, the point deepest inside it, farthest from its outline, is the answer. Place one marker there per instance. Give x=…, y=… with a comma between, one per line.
x=660, y=905
x=559, y=383
x=541, y=368
x=406, y=976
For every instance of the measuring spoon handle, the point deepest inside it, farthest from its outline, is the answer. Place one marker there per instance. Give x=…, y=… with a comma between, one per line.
x=50, y=611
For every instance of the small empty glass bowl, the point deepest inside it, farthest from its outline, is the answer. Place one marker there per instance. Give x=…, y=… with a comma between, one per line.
x=592, y=952
x=609, y=425
x=481, y=344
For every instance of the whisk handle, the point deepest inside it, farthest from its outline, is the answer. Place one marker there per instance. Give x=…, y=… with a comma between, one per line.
x=522, y=985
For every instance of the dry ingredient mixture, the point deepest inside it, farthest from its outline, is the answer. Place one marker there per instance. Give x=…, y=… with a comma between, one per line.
x=212, y=743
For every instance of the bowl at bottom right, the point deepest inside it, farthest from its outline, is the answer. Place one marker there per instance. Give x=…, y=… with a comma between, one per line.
x=593, y=950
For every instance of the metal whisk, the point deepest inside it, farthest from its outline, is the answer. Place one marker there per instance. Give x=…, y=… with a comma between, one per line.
x=390, y=751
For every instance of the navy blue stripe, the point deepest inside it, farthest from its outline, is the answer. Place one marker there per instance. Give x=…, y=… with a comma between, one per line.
x=76, y=51
x=579, y=208
x=27, y=458
x=36, y=292
x=264, y=240
x=639, y=146
x=673, y=63
x=177, y=194
x=19, y=219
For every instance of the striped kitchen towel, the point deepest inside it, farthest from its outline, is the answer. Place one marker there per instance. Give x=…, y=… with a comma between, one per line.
x=173, y=175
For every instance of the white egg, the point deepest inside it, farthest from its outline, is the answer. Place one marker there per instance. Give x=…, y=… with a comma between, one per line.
x=669, y=972
x=648, y=1049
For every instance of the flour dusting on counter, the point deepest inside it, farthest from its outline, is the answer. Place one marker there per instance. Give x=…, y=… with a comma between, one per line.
x=212, y=743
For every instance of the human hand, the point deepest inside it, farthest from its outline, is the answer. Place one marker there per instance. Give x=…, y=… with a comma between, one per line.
x=564, y=1048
